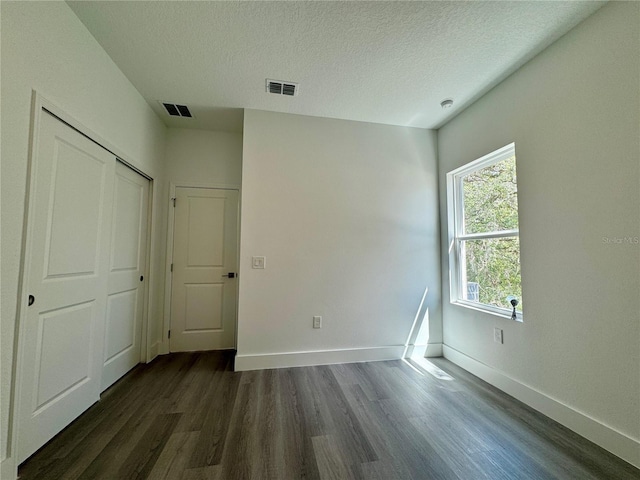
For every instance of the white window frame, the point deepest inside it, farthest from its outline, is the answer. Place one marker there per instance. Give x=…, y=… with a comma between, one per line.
x=456, y=234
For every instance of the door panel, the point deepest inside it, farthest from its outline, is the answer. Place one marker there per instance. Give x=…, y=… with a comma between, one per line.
x=62, y=331
x=72, y=223
x=66, y=272
x=121, y=324
x=205, y=245
x=125, y=300
x=203, y=305
x=130, y=194
x=203, y=300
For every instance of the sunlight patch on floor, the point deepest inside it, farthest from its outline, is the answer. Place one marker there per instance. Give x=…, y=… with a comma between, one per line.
x=419, y=362
x=412, y=366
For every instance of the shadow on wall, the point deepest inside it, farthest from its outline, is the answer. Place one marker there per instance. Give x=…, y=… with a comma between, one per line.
x=416, y=344
x=418, y=337
x=417, y=341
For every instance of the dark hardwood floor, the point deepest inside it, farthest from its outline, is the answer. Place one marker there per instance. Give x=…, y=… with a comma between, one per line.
x=189, y=416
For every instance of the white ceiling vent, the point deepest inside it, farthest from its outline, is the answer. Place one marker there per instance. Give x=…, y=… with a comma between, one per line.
x=176, y=110
x=282, y=88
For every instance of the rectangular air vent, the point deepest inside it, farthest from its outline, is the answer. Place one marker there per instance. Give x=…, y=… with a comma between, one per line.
x=282, y=88
x=177, y=110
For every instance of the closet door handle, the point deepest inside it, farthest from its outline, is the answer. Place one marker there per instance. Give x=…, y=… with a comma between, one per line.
x=32, y=299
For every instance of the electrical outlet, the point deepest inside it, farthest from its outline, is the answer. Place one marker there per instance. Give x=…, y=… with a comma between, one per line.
x=317, y=322
x=497, y=335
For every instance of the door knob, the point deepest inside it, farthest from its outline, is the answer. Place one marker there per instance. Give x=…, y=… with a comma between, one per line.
x=230, y=275
x=31, y=299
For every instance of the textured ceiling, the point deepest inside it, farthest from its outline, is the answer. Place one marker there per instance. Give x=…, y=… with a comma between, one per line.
x=382, y=62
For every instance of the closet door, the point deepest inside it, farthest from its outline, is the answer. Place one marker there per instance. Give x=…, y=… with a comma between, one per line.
x=126, y=296
x=66, y=273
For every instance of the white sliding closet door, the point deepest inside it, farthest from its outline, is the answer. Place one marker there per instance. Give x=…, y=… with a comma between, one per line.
x=66, y=274
x=126, y=296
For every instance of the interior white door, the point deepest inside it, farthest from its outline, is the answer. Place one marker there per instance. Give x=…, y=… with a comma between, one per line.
x=204, y=283
x=126, y=295
x=66, y=272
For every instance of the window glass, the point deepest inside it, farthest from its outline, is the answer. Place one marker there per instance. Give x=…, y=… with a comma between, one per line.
x=490, y=198
x=492, y=271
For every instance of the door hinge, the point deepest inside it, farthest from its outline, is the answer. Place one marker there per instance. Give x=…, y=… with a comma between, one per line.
x=172, y=267
x=174, y=202
x=169, y=335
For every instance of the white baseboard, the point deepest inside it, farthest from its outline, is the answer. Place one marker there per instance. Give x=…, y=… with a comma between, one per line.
x=8, y=469
x=433, y=350
x=321, y=357
x=606, y=437
x=429, y=350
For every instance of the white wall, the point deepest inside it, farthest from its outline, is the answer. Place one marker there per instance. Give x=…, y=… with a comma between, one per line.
x=45, y=47
x=574, y=114
x=202, y=157
x=346, y=215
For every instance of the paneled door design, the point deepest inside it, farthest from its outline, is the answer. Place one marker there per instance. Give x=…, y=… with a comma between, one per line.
x=66, y=272
x=126, y=295
x=204, y=283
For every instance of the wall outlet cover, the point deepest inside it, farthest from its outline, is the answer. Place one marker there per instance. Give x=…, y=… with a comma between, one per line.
x=497, y=335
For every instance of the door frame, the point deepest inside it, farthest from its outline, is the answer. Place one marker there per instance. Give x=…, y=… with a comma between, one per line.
x=166, y=324
x=41, y=105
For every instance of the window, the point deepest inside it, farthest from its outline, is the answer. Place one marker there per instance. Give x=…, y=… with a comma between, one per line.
x=484, y=247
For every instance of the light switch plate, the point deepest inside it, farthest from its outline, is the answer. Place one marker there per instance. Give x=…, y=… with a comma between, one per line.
x=258, y=262
x=317, y=322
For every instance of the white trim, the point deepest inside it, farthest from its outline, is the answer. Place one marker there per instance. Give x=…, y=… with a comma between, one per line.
x=145, y=354
x=8, y=469
x=489, y=235
x=217, y=186
x=411, y=350
x=38, y=104
x=18, y=342
x=603, y=435
x=430, y=350
x=153, y=352
x=162, y=347
x=433, y=350
x=319, y=357
x=488, y=309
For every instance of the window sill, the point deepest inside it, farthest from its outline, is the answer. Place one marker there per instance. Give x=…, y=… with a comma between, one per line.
x=488, y=309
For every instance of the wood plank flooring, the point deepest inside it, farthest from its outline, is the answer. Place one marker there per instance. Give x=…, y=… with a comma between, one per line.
x=190, y=417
